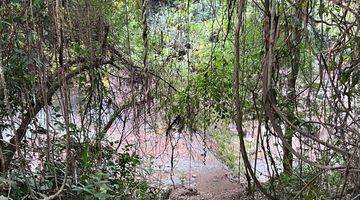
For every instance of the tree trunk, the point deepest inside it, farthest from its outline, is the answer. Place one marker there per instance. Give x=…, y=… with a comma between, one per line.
x=238, y=105
x=53, y=85
x=294, y=47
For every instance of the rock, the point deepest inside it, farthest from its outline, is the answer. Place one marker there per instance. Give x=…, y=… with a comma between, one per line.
x=165, y=193
x=182, y=193
x=190, y=191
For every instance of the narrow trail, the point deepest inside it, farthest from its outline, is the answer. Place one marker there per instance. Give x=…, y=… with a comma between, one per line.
x=196, y=174
x=210, y=181
x=215, y=184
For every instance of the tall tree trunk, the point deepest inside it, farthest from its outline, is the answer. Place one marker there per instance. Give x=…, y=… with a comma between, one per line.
x=238, y=104
x=294, y=47
x=236, y=82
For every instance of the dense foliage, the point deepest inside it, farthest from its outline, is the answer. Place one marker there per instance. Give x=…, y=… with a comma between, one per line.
x=72, y=70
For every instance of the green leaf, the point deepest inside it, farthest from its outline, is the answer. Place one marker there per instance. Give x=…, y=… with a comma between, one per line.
x=355, y=78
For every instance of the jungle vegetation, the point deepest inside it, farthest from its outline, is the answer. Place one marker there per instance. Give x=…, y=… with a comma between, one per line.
x=72, y=69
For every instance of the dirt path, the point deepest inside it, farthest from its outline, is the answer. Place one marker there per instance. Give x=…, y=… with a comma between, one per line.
x=194, y=171
x=194, y=175
x=214, y=184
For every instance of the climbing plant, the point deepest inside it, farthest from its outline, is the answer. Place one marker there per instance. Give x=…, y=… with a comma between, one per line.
x=72, y=73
